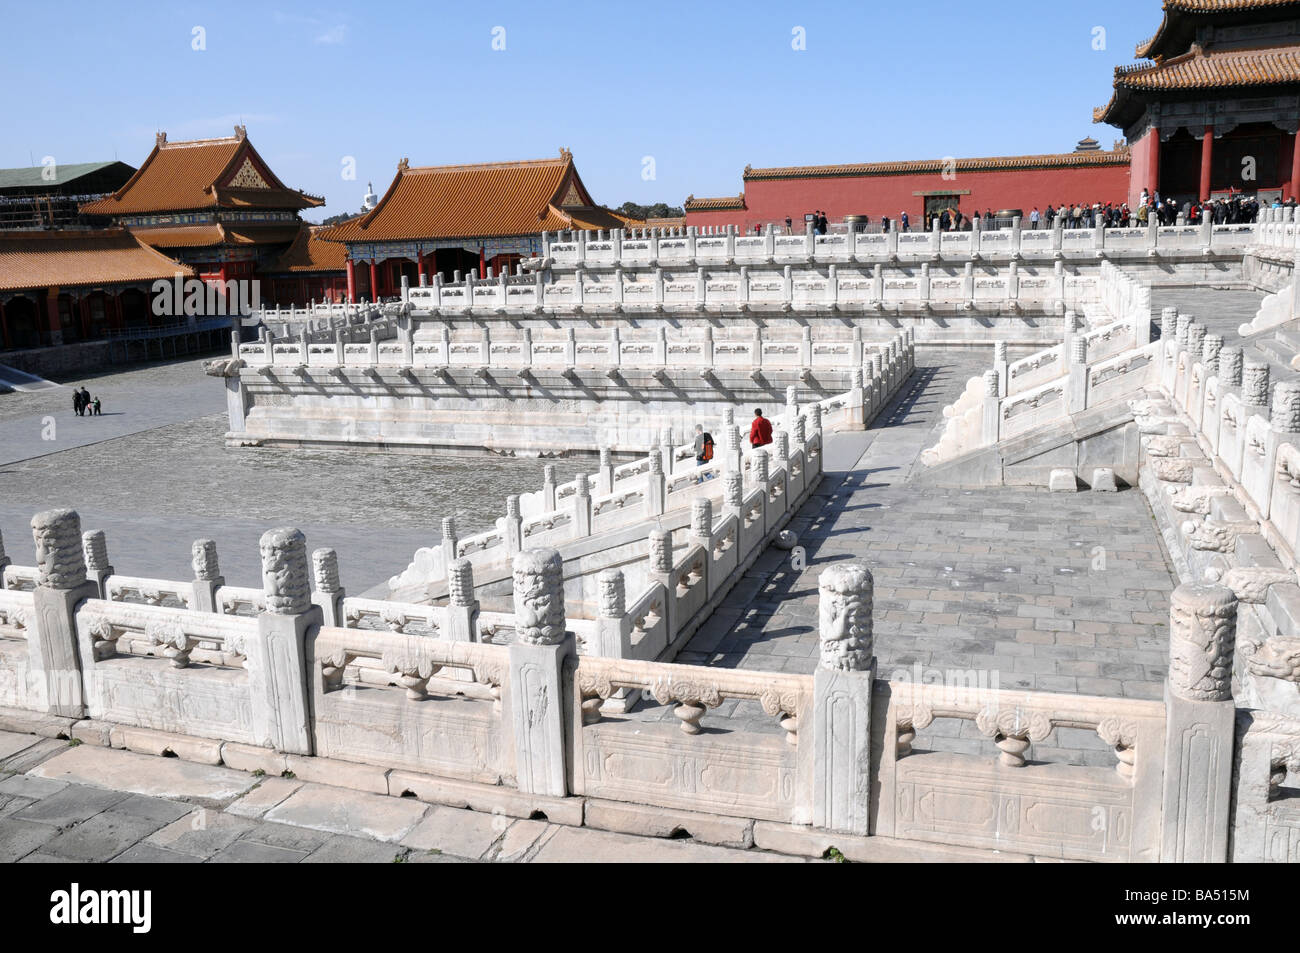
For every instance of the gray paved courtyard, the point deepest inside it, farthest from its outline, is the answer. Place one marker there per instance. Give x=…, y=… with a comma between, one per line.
x=162, y=477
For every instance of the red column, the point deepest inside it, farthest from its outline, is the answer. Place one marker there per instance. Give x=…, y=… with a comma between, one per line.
x=1207, y=147
x=4, y=327
x=52, y=316
x=352, y=280
x=482, y=262
x=1295, y=166
x=374, y=281
x=1153, y=162
x=419, y=266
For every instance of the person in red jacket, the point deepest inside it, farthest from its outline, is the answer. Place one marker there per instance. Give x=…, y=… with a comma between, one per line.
x=760, y=431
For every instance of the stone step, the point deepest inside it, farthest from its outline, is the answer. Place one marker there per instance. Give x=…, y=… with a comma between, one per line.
x=1280, y=352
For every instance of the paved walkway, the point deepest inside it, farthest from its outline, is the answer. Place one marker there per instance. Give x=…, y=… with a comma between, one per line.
x=79, y=804
x=1004, y=588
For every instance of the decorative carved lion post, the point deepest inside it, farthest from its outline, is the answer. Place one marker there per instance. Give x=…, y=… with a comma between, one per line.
x=53, y=658
x=277, y=666
x=842, y=700
x=1199, y=731
x=537, y=678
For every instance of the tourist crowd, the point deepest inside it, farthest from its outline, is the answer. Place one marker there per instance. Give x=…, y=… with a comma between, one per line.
x=1232, y=210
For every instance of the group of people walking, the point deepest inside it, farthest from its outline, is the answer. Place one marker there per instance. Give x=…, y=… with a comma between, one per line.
x=760, y=435
x=83, y=404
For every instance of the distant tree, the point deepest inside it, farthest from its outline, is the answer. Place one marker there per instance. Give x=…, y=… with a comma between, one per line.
x=658, y=210
x=341, y=217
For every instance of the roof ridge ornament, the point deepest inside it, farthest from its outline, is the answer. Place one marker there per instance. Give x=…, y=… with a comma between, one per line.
x=565, y=154
x=160, y=139
x=241, y=132
x=404, y=165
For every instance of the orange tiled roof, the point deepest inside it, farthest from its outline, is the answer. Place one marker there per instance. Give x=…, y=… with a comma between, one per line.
x=202, y=236
x=472, y=201
x=74, y=259
x=1054, y=160
x=701, y=205
x=201, y=173
x=675, y=221
x=309, y=252
x=1177, y=10
x=1200, y=69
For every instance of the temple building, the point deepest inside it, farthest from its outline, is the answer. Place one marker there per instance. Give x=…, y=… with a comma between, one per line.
x=311, y=269
x=920, y=188
x=213, y=204
x=62, y=287
x=1216, y=106
x=51, y=195
x=444, y=219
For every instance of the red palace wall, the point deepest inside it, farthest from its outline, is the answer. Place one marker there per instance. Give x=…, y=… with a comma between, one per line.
x=771, y=200
x=1143, y=160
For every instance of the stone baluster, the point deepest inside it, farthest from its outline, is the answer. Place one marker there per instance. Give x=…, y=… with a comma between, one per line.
x=94, y=546
x=1254, y=385
x=1168, y=323
x=512, y=525
x=702, y=523
x=1180, y=329
x=605, y=475
x=1200, y=718
x=277, y=669
x=462, y=606
x=613, y=628
x=207, y=576
x=990, y=417
x=548, y=488
x=1195, y=339
x=449, y=541
x=582, y=509
x=666, y=449
x=537, y=682
x=1230, y=367
x=328, y=592
x=731, y=453
x=758, y=470
x=55, y=650
x=1211, y=348
x=656, y=487
x=841, y=703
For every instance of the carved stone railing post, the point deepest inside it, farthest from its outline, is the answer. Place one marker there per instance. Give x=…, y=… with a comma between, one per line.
x=702, y=523
x=841, y=729
x=991, y=415
x=613, y=625
x=53, y=661
x=1229, y=368
x=4, y=561
x=207, y=575
x=1254, y=387
x=462, y=607
x=666, y=449
x=733, y=494
x=512, y=525
x=582, y=510
x=656, y=486
x=328, y=592
x=537, y=678
x=605, y=475
x=277, y=667
x=1200, y=717
x=731, y=453
x=548, y=488
x=449, y=541
x=1210, y=351
x=1000, y=365
x=94, y=546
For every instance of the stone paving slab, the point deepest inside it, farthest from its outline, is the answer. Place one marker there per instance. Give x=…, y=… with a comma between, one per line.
x=342, y=811
x=580, y=846
x=144, y=774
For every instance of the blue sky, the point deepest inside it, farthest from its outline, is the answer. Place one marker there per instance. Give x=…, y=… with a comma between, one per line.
x=704, y=88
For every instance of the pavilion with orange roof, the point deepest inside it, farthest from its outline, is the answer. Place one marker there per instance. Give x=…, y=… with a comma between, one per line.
x=443, y=219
